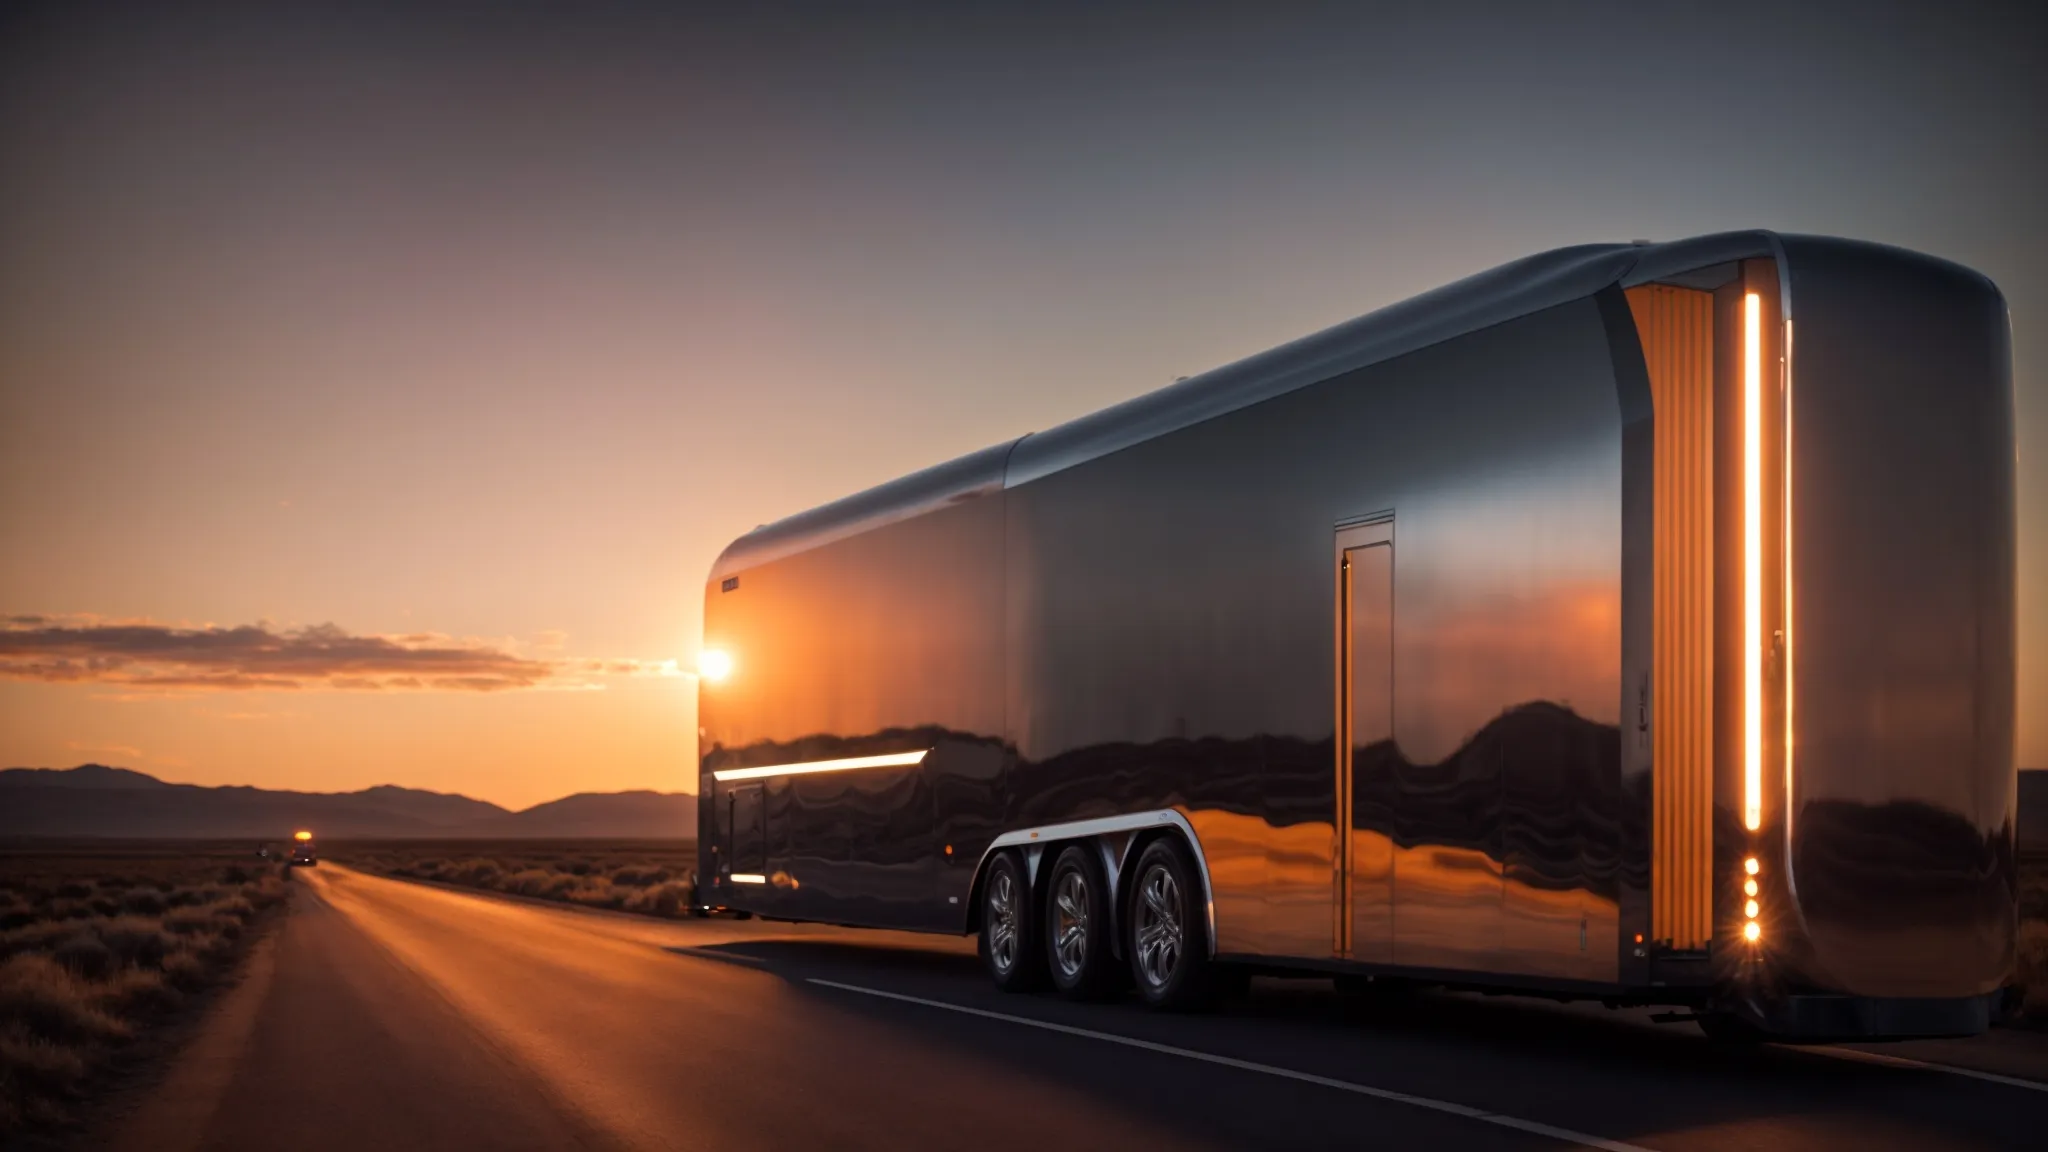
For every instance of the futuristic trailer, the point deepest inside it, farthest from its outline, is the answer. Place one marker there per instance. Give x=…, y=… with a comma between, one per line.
x=1630, y=622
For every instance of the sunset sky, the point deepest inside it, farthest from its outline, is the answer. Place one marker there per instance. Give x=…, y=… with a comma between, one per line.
x=377, y=386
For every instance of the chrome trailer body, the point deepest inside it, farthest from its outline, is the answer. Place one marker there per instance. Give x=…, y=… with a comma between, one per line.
x=1404, y=632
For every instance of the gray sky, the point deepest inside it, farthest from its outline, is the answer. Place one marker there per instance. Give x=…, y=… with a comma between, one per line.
x=497, y=321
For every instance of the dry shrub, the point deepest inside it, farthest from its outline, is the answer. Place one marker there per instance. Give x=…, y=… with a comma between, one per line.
x=540, y=882
x=85, y=954
x=37, y=936
x=143, y=902
x=476, y=873
x=211, y=920
x=186, y=971
x=669, y=899
x=28, y=1061
x=63, y=909
x=138, y=992
x=598, y=894
x=137, y=940
x=191, y=896
x=49, y=1001
x=636, y=877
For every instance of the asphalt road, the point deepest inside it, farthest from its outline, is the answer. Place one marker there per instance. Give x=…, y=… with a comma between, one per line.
x=393, y=1015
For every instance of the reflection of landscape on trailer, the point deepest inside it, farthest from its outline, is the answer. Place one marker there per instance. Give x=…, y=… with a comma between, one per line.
x=1567, y=629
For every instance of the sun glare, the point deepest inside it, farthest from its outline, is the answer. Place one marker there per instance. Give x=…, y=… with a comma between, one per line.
x=714, y=664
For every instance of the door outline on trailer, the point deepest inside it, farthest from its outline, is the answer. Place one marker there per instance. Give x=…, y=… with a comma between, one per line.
x=746, y=848
x=1368, y=542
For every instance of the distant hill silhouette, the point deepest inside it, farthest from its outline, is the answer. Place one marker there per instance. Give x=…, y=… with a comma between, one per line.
x=639, y=814
x=96, y=800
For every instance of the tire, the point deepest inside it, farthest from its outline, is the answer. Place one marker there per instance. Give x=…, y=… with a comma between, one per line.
x=1009, y=927
x=1166, y=931
x=1078, y=954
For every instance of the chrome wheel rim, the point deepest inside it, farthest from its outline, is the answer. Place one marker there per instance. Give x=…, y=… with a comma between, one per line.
x=1002, y=921
x=1070, y=924
x=1159, y=933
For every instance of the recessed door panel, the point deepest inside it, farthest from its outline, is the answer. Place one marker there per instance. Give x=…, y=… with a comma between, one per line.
x=1365, y=897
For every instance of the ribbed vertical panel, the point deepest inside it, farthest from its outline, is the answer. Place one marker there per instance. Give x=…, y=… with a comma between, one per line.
x=1676, y=326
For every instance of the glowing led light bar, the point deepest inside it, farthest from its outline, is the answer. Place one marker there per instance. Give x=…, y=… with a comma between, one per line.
x=1751, y=932
x=1750, y=909
x=748, y=878
x=1752, y=562
x=1750, y=866
x=893, y=759
x=1749, y=887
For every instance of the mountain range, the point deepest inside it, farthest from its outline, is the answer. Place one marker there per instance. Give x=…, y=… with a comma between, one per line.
x=96, y=800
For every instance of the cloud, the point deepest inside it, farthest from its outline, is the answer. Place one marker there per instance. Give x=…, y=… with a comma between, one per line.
x=163, y=658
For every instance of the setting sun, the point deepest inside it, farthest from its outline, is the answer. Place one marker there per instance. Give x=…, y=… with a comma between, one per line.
x=714, y=664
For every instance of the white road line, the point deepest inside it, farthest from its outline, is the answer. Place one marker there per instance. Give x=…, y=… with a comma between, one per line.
x=1924, y=1066
x=1444, y=1106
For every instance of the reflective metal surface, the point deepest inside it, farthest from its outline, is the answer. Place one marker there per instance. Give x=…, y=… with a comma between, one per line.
x=1132, y=616
x=1902, y=785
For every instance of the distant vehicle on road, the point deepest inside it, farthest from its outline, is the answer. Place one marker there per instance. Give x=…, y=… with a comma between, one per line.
x=303, y=852
x=1574, y=630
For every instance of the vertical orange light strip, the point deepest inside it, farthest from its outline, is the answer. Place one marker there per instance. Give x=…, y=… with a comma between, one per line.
x=1752, y=563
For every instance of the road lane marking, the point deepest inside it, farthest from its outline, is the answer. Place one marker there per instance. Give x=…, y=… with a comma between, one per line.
x=1445, y=1106
x=1924, y=1066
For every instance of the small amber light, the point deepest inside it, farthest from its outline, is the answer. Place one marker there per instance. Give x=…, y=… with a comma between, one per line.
x=1639, y=937
x=1749, y=887
x=949, y=849
x=1750, y=866
x=1751, y=932
x=1750, y=909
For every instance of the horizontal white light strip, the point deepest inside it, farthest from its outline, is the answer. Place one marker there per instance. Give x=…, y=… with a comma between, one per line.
x=748, y=878
x=891, y=760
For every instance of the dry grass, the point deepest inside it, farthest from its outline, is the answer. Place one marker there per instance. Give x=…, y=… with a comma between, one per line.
x=651, y=877
x=100, y=941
